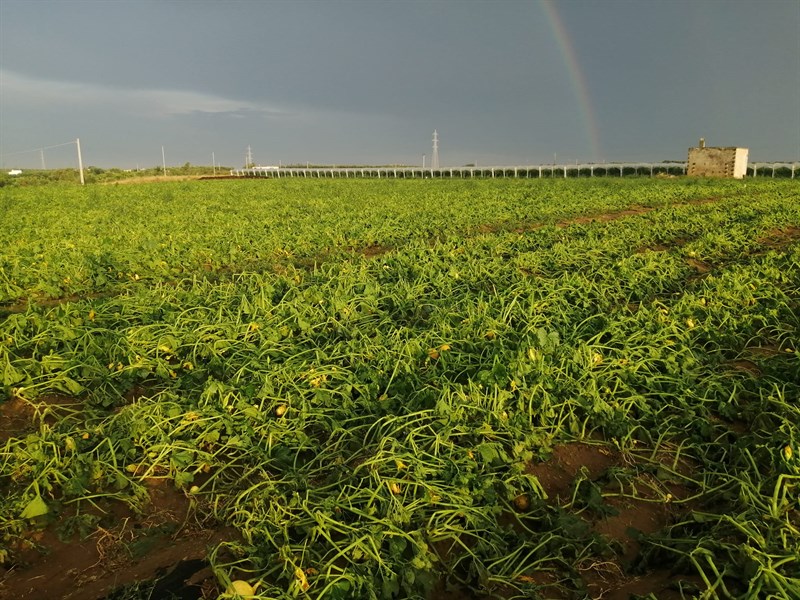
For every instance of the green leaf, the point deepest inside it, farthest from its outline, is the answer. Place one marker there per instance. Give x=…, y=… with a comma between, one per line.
x=182, y=459
x=183, y=478
x=339, y=591
x=491, y=452
x=11, y=375
x=53, y=362
x=35, y=508
x=391, y=587
x=68, y=385
x=704, y=517
x=548, y=340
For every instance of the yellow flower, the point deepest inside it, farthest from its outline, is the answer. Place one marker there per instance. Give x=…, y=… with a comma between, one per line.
x=318, y=381
x=787, y=453
x=301, y=579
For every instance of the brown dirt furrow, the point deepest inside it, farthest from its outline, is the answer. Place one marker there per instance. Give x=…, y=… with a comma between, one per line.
x=130, y=549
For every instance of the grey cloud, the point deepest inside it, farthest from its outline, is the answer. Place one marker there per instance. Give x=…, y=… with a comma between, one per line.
x=164, y=103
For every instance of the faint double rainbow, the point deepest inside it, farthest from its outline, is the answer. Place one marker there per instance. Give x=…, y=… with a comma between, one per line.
x=576, y=76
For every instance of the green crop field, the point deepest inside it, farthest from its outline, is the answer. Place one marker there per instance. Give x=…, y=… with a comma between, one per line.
x=401, y=389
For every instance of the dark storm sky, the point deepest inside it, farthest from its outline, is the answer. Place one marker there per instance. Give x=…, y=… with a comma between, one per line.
x=503, y=82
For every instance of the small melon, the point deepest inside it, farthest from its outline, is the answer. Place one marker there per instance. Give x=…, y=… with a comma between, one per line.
x=522, y=502
x=241, y=588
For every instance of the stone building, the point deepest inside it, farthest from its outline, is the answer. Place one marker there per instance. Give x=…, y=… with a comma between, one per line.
x=717, y=162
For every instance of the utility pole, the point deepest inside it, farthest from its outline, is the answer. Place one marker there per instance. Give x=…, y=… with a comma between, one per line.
x=42, y=153
x=163, y=161
x=213, y=165
x=248, y=160
x=80, y=159
x=435, y=156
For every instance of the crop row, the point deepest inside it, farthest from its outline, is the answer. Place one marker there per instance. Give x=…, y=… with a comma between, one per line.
x=73, y=241
x=373, y=425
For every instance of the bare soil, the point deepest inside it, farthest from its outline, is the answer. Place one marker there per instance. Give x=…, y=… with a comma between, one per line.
x=156, y=179
x=780, y=237
x=18, y=417
x=123, y=549
x=698, y=265
x=117, y=546
x=654, y=506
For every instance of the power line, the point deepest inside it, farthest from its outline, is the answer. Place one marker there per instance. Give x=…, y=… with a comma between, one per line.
x=41, y=150
x=4, y=154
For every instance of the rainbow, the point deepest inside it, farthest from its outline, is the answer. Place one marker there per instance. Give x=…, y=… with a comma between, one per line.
x=576, y=76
